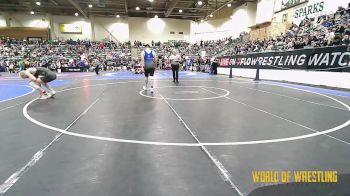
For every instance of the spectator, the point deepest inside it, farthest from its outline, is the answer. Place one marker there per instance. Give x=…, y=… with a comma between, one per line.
x=346, y=40
x=337, y=40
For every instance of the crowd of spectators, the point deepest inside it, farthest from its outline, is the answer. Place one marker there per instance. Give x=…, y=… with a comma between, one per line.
x=187, y=50
x=12, y=51
x=325, y=30
x=57, y=54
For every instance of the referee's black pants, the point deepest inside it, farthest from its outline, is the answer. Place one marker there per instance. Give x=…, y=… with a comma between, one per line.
x=175, y=69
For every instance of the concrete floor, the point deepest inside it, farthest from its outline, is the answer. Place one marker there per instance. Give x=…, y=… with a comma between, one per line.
x=202, y=137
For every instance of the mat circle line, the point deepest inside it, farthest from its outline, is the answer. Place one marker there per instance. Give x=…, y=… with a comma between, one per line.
x=181, y=144
x=192, y=99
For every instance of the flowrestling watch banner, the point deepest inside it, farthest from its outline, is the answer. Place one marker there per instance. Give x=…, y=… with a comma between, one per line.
x=336, y=59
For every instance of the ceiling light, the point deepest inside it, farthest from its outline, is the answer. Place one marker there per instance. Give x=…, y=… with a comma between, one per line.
x=150, y=0
x=211, y=15
x=118, y=16
x=31, y=12
x=90, y=5
x=76, y=14
x=156, y=16
x=202, y=20
x=137, y=8
x=38, y=3
x=180, y=11
x=229, y=5
x=200, y=3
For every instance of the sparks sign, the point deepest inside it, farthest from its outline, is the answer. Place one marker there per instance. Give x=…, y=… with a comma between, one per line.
x=311, y=9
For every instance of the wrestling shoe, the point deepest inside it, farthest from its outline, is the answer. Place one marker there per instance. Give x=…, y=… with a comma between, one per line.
x=53, y=93
x=44, y=96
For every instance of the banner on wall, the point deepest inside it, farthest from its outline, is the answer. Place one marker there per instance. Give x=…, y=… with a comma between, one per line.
x=316, y=8
x=336, y=59
x=290, y=3
x=71, y=28
x=311, y=10
x=72, y=69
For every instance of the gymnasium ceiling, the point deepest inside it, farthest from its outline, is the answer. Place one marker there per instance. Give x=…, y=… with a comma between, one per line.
x=163, y=8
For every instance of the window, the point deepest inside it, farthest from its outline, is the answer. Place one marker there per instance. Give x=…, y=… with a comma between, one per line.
x=284, y=18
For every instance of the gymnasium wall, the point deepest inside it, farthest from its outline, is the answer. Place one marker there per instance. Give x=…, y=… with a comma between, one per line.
x=111, y=29
x=96, y=28
x=158, y=29
x=278, y=17
x=212, y=30
x=242, y=17
x=2, y=21
x=100, y=28
x=24, y=32
x=264, y=11
x=27, y=20
x=85, y=24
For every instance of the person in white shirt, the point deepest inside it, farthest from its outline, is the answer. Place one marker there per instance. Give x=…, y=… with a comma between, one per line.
x=11, y=67
x=175, y=60
x=329, y=37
